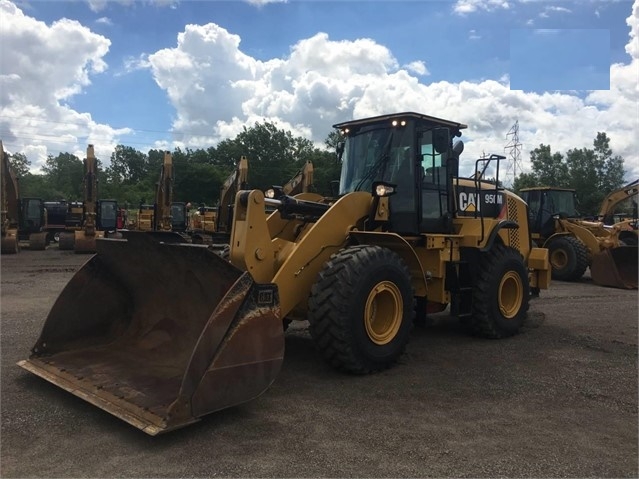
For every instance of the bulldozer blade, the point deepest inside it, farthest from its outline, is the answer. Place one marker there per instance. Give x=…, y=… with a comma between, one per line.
x=615, y=267
x=160, y=334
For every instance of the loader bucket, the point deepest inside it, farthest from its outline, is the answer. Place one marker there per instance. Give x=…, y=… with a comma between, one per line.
x=85, y=243
x=615, y=267
x=9, y=243
x=161, y=334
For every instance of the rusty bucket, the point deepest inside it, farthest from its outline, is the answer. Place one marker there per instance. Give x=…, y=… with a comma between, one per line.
x=160, y=334
x=615, y=267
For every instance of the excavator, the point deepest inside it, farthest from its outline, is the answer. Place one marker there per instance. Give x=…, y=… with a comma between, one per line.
x=213, y=225
x=99, y=217
x=182, y=332
x=302, y=182
x=576, y=244
x=165, y=220
x=611, y=202
x=23, y=219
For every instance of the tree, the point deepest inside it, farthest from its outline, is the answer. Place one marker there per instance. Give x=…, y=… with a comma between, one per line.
x=64, y=174
x=128, y=165
x=594, y=173
x=19, y=164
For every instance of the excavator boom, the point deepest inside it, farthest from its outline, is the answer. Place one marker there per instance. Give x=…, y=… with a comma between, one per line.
x=10, y=206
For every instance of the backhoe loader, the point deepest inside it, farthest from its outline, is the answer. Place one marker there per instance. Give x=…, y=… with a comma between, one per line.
x=99, y=217
x=575, y=244
x=213, y=226
x=23, y=219
x=181, y=332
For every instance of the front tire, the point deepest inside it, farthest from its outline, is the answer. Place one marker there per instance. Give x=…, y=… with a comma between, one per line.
x=568, y=258
x=501, y=294
x=361, y=309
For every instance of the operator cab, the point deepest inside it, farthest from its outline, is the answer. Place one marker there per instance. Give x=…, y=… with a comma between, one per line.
x=107, y=217
x=412, y=152
x=546, y=203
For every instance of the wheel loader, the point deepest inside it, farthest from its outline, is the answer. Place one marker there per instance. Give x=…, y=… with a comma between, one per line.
x=99, y=216
x=181, y=332
x=23, y=219
x=575, y=244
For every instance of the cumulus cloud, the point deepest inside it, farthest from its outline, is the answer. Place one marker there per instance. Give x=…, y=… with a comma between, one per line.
x=463, y=7
x=42, y=67
x=216, y=89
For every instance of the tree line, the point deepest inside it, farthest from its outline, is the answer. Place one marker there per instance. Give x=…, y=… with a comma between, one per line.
x=275, y=156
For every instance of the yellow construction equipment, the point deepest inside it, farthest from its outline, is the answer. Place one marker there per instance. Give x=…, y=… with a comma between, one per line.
x=302, y=182
x=99, y=217
x=23, y=219
x=165, y=219
x=10, y=206
x=182, y=332
x=213, y=225
x=574, y=244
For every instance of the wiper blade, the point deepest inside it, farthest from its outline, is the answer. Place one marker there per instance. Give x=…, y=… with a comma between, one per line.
x=384, y=155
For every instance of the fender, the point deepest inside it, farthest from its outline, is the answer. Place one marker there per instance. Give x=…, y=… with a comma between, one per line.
x=504, y=224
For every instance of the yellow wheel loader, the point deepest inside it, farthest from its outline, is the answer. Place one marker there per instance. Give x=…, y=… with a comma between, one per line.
x=182, y=332
x=575, y=244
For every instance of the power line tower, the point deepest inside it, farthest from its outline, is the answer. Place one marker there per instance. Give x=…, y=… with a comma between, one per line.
x=514, y=154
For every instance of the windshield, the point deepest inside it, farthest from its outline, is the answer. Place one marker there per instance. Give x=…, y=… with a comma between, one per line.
x=374, y=153
x=177, y=214
x=558, y=201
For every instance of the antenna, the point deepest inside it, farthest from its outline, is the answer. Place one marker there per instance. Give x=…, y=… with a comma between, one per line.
x=514, y=154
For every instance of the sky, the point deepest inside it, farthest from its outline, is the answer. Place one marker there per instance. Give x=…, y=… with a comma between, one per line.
x=178, y=73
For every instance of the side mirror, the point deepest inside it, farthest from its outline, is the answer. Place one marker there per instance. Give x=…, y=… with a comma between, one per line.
x=340, y=150
x=441, y=140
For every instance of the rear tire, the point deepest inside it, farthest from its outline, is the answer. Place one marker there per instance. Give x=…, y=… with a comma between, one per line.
x=501, y=294
x=361, y=309
x=569, y=258
x=67, y=241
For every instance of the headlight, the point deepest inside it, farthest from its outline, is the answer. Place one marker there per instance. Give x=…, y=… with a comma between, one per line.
x=384, y=189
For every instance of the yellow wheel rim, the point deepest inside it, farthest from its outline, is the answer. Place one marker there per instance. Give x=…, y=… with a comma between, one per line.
x=558, y=259
x=511, y=294
x=383, y=312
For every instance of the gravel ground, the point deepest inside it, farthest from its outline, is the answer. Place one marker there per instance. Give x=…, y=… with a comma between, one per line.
x=557, y=400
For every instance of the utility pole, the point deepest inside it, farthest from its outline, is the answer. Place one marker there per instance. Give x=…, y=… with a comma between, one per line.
x=514, y=154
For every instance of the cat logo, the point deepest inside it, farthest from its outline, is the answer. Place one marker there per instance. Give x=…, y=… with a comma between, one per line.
x=468, y=202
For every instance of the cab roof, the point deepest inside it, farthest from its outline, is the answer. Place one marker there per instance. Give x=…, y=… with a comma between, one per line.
x=403, y=115
x=547, y=188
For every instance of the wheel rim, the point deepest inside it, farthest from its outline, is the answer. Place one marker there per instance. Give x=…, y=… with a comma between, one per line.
x=383, y=312
x=511, y=293
x=558, y=259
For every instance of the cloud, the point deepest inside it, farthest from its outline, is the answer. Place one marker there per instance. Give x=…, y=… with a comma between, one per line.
x=463, y=7
x=216, y=89
x=104, y=21
x=43, y=67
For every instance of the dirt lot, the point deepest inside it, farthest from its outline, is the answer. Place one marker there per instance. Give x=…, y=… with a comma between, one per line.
x=558, y=400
